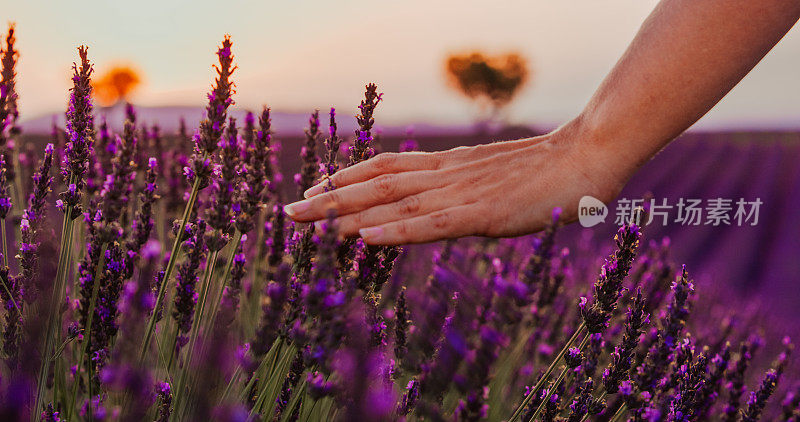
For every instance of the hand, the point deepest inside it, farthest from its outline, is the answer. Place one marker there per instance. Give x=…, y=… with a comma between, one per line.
x=498, y=190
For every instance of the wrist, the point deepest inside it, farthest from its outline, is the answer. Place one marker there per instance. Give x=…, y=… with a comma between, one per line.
x=605, y=160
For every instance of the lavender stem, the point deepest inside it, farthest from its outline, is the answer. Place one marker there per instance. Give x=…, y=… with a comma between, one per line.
x=151, y=324
x=87, y=335
x=558, y=381
x=518, y=413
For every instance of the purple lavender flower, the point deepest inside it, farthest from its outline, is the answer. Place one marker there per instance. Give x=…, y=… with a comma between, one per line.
x=710, y=391
x=607, y=288
x=409, y=144
x=308, y=171
x=277, y=288
x=657, y=360
x=621, y=360
x=80, y=134
x=791, y=405
x=758, y=399
x=219, y=99
x=253, y=193
x=5, y=195
x=186, y=295
x=332, y=145
x=30, y=226
x=477, y=372
x=231, y=292
x=220, y=213
x=580, y=404
x=50, y=414
x=401, y=326
x=289, y=383
x=212, y=127
x=361, y=149
x=9, y=114
x=143, y=221
x=164, y=400
x=735, y=377
x=536, y=272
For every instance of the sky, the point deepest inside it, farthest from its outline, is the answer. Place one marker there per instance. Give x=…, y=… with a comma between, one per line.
x=301, y=55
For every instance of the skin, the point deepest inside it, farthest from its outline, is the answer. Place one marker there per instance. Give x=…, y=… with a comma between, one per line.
x=687, y=55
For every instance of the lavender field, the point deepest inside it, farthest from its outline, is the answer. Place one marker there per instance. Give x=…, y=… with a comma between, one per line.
x=155, y=276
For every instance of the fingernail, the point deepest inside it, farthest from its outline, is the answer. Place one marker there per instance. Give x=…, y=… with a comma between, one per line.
x=314, y=190
x=297, y=208
x=371, y=233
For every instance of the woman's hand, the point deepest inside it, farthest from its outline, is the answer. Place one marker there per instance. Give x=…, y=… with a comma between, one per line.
x=497, y=190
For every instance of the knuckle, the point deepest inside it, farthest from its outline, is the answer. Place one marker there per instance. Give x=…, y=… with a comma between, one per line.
x=441, y=219
x=437, y=159
x=409, y=205
x=329, y=201
x=385, y=185
x=358, y=218
x=383, y=161
x=403, y=228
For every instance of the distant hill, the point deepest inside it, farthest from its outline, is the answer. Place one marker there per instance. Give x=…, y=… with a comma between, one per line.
x=285, y=123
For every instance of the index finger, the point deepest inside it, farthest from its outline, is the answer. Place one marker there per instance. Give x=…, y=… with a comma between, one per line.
x=388, y=162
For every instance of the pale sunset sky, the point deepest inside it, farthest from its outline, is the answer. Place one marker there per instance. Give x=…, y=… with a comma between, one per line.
x=300, y=55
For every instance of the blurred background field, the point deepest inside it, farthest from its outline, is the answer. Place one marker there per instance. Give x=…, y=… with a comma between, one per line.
x=298, y=57
x=758, y=262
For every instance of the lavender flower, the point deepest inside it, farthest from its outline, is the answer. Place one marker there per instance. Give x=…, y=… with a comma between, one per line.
x=401, y=326
x=735, y=378
x=758, y=399
x=50, y=414
x=143, y=221
x=5, y=195
x=30, y=226
x=219, y=99
x=80, y=134
x=164, y=400
x=656, y=362
x=289, y=383
x=212, y=127
x=332, y=145
x=607, y=288
x=9, y=114
x=231, y=292
x=580, y=404
x=308, y=171
x=220, y=213
x=361, y=149
x=186, y=295
x=621, y=360
x=410, y=398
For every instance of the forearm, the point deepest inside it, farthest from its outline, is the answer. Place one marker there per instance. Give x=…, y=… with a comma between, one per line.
x=687, y=55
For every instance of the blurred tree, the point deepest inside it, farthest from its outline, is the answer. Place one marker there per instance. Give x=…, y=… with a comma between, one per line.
x=491, y=81
x=116, y=84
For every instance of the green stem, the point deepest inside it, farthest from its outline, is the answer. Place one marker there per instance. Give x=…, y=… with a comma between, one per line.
x=10, y=296
x=200, y=313
x=543, y=379
x=296, y=394
x=54, y=316
x=270, y=383
x=87, y=337
x=5, y=241
x=225, y=275
x=195, y=331
x=556, y=383
x=270, y=357
x=620, y=413
x=600, y=398
x=173, y=257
